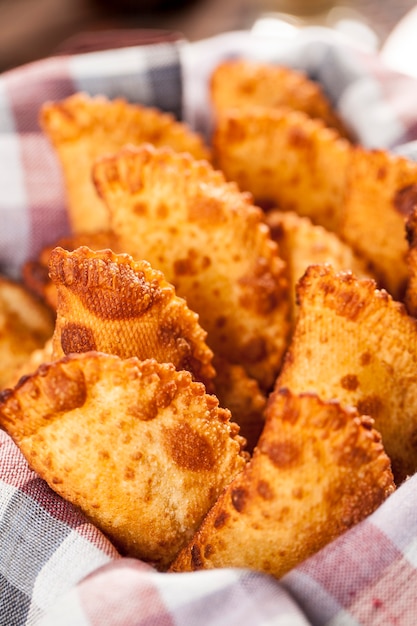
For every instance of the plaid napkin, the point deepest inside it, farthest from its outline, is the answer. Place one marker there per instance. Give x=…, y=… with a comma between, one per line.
x=55, y=567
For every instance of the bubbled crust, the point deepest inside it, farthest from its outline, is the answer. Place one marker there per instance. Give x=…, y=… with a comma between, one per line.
x=110, y=303
x=25, y=325
x=81, y=128
x=381, y=192
x=286, y=160
x=243, y=397
x=35, y=272
x=303, y=243
x=354, y=343
x=139, y=447
x=81, y=114
x=319, y=469
x=240, y=83
x=210, y=242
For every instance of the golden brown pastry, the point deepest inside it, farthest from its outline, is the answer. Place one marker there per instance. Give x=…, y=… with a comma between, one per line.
x=25, y=325
x=302, y=243
x=286, y=160
x=111, y=303
x=354, y=343
x=37, y=357
x=319, y=469
x=210, y=242
x=411, y=259
x=381, y=192
x=35, y=272
x=81, y=128
x=243, y=397
x=240, y=83
x=140, y=448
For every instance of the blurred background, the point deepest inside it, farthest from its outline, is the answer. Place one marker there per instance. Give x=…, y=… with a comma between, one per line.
x=32, y=29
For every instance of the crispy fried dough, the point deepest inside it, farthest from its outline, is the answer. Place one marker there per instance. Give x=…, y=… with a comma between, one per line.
x=111, y=303
x=140, y=448
x=25, y=325
x=354, y=343
x=81, y=128
x=38, y=357
x=242, y=83
x=286, y=160
x=243, y=397
x=35, y=273
x=411, y=257
x=292, y=163
x=381, y=191
x=211, y=244
x=302, y=243
x=318, y=470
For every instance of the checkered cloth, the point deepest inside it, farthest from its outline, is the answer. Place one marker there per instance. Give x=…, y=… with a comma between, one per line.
x=55, y=567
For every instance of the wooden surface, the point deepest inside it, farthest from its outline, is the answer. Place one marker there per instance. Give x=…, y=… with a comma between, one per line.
x=31, y=29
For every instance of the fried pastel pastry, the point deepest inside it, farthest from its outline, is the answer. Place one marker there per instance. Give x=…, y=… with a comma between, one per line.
x=140, y=448
x=210, y=242
x=110, y=303
x=302, y=243
x=381, y=191
x=354, y=343
x=81, y=128
x=35, y=273
x=410, y=299
x=38, y=357
x=243, y=397
x=319, y=469
x=285, y=160
x=25, y=325
x=240, y=83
